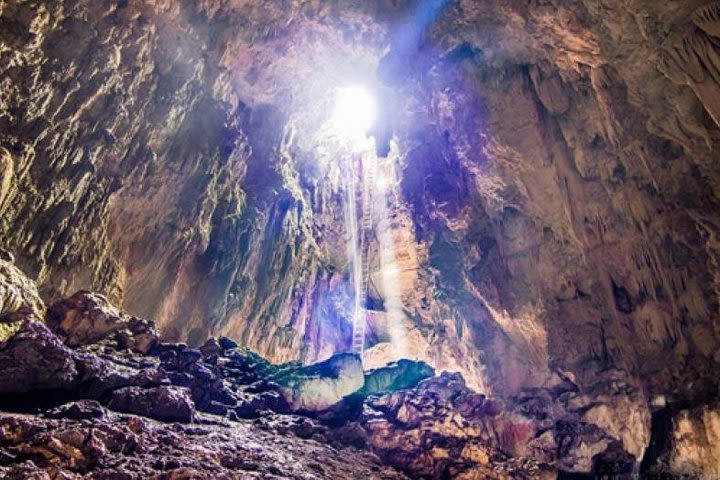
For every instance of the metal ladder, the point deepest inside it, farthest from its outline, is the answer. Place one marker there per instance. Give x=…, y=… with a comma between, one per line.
x=369, y=167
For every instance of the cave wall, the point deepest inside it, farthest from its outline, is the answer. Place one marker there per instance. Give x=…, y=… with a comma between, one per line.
x=555, y=199
x=568, y=186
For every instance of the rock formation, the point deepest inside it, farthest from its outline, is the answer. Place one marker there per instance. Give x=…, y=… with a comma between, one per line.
x=94, y=410
x=548, y=214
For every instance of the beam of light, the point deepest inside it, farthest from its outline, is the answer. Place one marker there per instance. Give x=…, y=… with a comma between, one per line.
x=408, y=36
x=384, y=205
x=354, y=114
x=407, y=39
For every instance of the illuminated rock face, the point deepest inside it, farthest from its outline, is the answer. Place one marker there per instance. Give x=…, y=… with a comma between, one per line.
x=553, y=208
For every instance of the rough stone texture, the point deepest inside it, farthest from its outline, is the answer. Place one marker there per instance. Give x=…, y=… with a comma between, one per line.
x=87, y=318
x=437, y=428
x=399, y=375
x=551, y=200
x=442, y=428
x=128, y=447
x=35, y=359
x=585, y=241
x=692, y=443
x=164, y=403
x=19, y=298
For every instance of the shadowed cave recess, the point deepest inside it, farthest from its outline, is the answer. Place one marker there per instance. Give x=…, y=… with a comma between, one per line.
x=336, y=239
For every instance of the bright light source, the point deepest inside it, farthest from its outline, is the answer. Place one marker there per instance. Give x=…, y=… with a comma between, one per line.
x=354, y=114
x=382, y=180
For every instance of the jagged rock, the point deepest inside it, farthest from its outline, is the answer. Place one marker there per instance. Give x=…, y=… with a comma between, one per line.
x=27, y=471
x=163, y=403
x=145, y=335
x=559, y=193
x=618, y=408
x=84, y=318
x=227, y=343
x=441, y=424
x=552, y=198
x=318, y=387
x=35, y=359
x=427, y=428
x=689, y=445
x=19, y=298
x=87, y=318
x=129, y=447
x=401, y=425
x=211, y=348
x=80, y=410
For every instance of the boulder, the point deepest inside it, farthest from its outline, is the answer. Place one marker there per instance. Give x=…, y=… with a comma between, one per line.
x=80, y=410
x=227, y=343
x=86, y=318
x=35, y=359
x=19, y=298
x=694, y=442
x=619, y=408
x=211, y=348
x=441, y=425
x=144, y=334
x=317, y=387
x=396, y=376
x=166, y=403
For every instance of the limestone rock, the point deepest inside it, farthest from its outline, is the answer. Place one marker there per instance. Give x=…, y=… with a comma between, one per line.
x=553, y=184
x=80, y=410
x=127, y=446
x=318, y=387
x=87, y=317
x=35, y=359
x=692, y=444
x=619, y=409
x=163, y=403
x=19, y=298
x=535, y=426
x=551, y=203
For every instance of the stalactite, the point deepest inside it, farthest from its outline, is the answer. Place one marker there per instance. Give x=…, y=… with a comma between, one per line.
x=708, y=18
x=692, y=58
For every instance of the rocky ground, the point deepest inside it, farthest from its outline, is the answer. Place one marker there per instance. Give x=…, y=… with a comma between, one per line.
x=94, y=393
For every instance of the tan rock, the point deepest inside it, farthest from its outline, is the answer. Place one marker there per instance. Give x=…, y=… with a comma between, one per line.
x=19, y=298
x=695, y=442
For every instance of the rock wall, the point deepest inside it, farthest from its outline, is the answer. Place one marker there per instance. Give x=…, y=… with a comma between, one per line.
x=554, y=204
